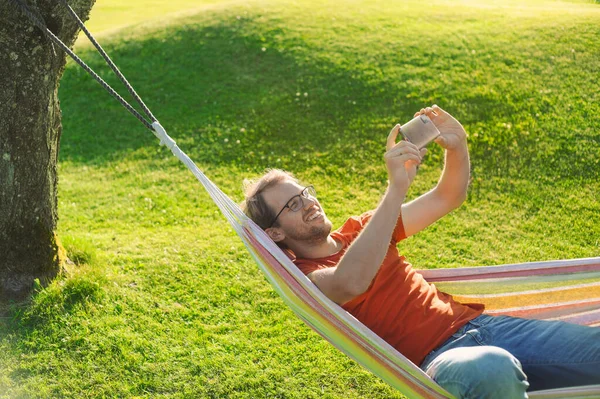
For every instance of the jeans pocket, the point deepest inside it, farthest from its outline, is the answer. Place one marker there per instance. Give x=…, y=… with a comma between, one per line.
x=482, y=336
x=478, y=337
x=461, y=331
x=481, y=320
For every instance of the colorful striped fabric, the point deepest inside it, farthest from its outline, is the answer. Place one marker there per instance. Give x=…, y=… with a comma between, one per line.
x=567, y=290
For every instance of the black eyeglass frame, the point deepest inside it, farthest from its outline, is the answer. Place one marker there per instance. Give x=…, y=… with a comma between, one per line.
x=308, y=191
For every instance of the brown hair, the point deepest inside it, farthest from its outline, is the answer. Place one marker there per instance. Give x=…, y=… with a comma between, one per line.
x=255, y=205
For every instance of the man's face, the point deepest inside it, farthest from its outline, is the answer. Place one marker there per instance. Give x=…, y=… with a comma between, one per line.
x=308, y=224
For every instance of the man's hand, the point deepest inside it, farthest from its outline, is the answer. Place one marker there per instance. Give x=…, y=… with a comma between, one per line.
x=452, y=133
x=401, y=160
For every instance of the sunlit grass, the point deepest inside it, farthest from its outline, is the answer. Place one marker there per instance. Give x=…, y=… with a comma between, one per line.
x=109, y=16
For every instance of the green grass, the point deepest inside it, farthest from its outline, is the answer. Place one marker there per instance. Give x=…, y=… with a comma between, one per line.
x=109, y=16
x=164, y=301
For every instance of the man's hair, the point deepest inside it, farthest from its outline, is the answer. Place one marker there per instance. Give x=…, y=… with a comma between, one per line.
x=255, y=205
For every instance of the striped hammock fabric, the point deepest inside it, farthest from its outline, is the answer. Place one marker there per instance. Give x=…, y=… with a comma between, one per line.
x=566, y=290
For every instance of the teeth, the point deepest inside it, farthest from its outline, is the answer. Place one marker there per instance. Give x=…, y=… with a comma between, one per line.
x=314, y=216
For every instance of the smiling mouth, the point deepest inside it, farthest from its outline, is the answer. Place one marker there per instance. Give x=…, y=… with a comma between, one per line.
x=313, y=216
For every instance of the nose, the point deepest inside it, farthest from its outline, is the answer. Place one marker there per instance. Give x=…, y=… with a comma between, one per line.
x=308, y=202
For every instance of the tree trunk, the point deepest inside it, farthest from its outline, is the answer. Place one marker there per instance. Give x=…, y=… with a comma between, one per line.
x=30, y=127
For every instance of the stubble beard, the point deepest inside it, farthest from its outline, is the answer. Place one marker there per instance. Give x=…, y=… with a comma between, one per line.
x=314, y=235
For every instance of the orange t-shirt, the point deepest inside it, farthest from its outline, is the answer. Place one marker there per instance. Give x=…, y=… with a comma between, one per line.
x=399, y=305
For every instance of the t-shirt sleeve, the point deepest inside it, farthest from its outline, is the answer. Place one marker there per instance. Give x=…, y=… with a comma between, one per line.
x=397, y=235
x=307, y=266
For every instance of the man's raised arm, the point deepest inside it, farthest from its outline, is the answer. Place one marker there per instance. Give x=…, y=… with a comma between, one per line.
x=451, y=190
x=357, y=268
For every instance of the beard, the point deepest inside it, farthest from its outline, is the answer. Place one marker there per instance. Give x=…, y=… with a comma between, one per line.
x=312, y=234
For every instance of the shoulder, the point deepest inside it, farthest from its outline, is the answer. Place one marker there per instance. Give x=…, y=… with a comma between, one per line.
x=355, y=223
x=308, y=266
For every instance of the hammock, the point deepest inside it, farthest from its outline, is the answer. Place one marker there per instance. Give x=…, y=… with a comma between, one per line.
x=565, y=290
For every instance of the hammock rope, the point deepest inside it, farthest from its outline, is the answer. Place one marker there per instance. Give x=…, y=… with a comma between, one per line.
x=37, y=21
x=327, y=318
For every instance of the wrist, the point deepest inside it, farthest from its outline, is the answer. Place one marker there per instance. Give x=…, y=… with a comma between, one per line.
x=396, y=192
x=460, y=147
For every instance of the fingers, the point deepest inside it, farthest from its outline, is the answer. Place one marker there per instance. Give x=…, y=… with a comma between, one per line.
x=404, y=152
x=403, y=158
x=391, y=140
x=404, y=147
x=438, y=110
x=431, y=112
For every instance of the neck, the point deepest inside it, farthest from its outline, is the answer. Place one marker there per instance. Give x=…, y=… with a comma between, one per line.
x=316, y=249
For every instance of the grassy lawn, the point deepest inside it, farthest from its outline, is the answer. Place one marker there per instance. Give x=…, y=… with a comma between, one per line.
x=110, y=16
x=165, y=302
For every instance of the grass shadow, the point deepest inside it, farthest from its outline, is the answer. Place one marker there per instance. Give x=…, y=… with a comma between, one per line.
x=237, y=93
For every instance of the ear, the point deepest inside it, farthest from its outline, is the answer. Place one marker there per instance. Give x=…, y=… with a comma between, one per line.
x=275, y=233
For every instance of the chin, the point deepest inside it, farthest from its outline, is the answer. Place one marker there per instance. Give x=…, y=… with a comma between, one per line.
x=328, y=225
x=319, y=233
x=314, y=234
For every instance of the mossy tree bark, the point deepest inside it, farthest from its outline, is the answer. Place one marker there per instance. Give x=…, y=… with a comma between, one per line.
x=30, y=129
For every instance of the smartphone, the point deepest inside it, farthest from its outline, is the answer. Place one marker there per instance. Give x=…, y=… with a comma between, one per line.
x=420, y=131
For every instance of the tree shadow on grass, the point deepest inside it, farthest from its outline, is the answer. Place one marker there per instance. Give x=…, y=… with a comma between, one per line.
x=229, y=99
x=226, y=99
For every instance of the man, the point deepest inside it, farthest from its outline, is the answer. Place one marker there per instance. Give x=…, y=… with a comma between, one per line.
x=358, y=266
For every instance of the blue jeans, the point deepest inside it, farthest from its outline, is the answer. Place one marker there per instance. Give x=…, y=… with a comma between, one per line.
x=501, y=357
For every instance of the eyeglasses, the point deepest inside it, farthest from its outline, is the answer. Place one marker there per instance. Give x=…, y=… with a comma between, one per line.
x=296, y=202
